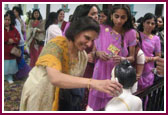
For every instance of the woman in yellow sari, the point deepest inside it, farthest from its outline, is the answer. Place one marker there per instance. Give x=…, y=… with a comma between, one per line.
x=60, y=61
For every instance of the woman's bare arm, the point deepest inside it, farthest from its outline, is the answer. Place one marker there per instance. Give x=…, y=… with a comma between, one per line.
x=62, y=80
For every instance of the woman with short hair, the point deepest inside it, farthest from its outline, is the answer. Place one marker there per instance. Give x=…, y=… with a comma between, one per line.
x=61, y=60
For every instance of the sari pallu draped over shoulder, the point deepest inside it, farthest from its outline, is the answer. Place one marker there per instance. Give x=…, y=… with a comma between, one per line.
x=32, y=31
x=38, y=93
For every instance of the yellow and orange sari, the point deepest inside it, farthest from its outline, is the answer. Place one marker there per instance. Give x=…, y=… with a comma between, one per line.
x=38, y=93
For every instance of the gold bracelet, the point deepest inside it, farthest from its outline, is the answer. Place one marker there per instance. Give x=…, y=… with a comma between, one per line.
x=89, y=84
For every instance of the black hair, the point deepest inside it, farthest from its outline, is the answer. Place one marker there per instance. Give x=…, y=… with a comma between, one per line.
x=76, y=14
x=52, y=17
x=18, y=9
x=140, y=20
x=12, y=18
x=59, y=11
x=70, y=18
x=147, y=16
x=39, y=18
x=133, y=19
x=105, y=12
x=140, y=39
x=82, y=11
x=125, y=73
x=29, y=14
x=128, y=24
x=162, y=28
x=80, y=25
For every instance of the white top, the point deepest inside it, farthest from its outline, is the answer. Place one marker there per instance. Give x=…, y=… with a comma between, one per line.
x=140, y=60
x=124, y=102
x=140, y=57
x=52, y=32
x=18, y=27
x=134, y=88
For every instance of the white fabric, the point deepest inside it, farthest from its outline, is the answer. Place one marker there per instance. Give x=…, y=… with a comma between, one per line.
x=88, y=108
x=133, y=102
x=38, y=92
x=125, y=101
x=140, y=57
x=134, y=87
x=52, y=32
x=18, y=27
x=31, y=36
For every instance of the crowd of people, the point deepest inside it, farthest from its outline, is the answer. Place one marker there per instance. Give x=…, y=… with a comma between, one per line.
x=71, y=63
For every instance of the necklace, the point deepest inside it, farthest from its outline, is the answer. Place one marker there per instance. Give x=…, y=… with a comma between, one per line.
x=115, y=34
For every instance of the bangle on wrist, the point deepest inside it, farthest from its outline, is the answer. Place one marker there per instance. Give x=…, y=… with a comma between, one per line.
x=93, y=54
x=89, y=83
x=152, y=59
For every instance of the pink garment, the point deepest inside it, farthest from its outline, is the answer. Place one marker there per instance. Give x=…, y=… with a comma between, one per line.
x=149, y=47
x=35, y=23
x=66, y=27
x=102, y=69
x=34, y=54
